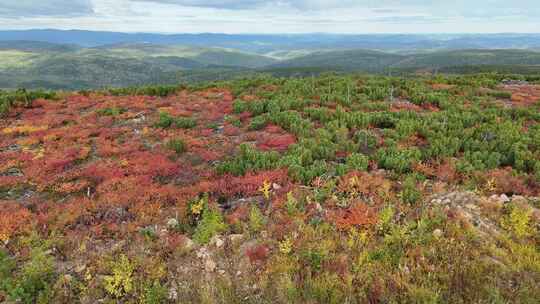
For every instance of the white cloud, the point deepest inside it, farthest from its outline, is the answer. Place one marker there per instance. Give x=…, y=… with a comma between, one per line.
x=25, y=8
x=273, y=16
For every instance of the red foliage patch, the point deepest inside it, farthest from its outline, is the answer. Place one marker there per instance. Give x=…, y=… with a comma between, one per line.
x=358, y=215
x=110, y=174
x=399, y=106
x=273, y=129
x=250, y=183
x=258, y=254
x=372, y=186
x=523, y=95
x=504, y=181
x=276, y=142
x=239, y=214
x=13, y=219
x=231, y=130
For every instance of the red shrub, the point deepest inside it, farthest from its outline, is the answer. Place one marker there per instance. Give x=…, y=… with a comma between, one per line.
x=504, y=181
x=277, y=142
x=13, y=219
x=274, y=129
x=371, y=185
x=258, y=254
x=239, y=214
x=358, y=215
x=231, y=130
x=250, y=183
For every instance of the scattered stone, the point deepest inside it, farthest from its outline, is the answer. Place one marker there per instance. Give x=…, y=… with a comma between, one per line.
x=163, y=232
x=173, y=294
x=536, y=216
x=221, y=272
x=202, y=253
x=172, y=223
x=276, y=186
x=520, y=200
x=437, y=233
x=80, y=269
x=471, y=206
x=68, y=278
x=217, y=241
x=188, y=244
x=504, y=198
x=513, y=82
x=235, y=239
x=210, y=265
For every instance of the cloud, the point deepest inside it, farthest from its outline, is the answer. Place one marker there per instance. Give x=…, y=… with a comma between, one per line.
x=36, y=8
x=250, y=4
x=274, y=16
x=223, y=4
x=466, y=8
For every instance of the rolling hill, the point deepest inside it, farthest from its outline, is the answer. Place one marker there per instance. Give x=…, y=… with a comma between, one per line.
x=373, y=61
x=38, y=64
x=45, y=65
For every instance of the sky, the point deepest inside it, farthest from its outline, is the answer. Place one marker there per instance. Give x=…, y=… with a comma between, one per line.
x=275, y=16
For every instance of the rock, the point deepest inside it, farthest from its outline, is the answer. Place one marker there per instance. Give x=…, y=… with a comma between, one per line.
x=536, y=216
x=504, y=198
x=221, y=272
x=68, y=278
x=202, y=253
x=491, y=204
x=471, y=206
x=235, y=239
x=217, y=241
x=520, y=200
x=173, y=294
x=80, y=269
x=210, y=265
x=172, y=223
x=163, y=232
x=188, y=244
x=276, y=186
x=437, y=233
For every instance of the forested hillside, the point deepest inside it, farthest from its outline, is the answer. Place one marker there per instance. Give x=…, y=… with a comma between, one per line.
x=41, y=65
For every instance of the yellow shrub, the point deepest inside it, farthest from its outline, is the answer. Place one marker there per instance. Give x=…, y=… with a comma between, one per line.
x=286, y=245
x=518, y=221
x=120, y=282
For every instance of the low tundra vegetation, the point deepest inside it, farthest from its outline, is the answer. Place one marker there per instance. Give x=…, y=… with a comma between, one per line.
x=329, y=189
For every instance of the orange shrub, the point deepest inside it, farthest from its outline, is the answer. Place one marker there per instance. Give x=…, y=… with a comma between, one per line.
x=13, y=219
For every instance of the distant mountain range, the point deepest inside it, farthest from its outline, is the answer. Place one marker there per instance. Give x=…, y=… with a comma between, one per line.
x=263, y=44
x=80, y=59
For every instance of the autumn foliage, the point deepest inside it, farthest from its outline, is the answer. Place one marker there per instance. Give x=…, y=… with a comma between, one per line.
x=358, y=215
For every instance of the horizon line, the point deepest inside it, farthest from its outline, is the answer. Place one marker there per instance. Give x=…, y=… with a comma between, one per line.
x=274, y=34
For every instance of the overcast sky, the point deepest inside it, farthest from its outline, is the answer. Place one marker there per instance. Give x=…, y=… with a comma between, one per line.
x=281, y=16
